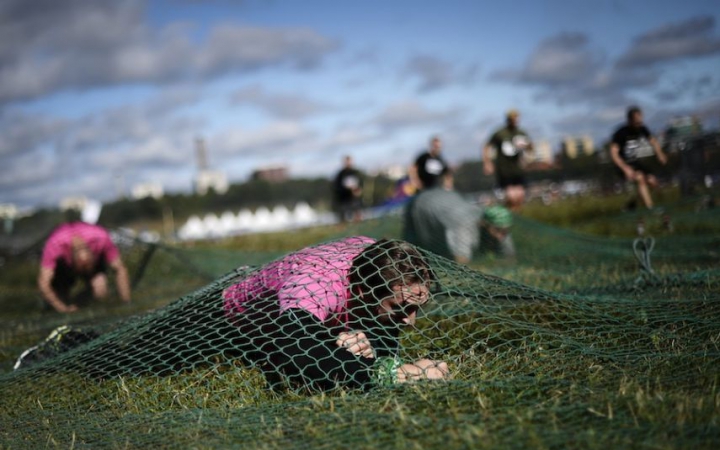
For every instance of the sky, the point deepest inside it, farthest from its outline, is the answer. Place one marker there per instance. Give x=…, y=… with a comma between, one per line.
x=98, y=96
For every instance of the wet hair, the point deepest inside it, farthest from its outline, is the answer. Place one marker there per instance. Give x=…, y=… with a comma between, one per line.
x=632, y=111
x=386, y=264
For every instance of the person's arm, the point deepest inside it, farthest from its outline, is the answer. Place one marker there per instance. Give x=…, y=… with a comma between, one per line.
x=414, y=176
x=618, y=161
x=122, y=280
x=49, y=295
x=488, y=165
x=308, y=349
x=661, y=156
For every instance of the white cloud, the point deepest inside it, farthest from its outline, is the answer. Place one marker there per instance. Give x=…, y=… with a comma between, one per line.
x=284, y=106
x=435, y=73
x=85, y=43
x=412, y=113
x=690, y=38
x=283, y=137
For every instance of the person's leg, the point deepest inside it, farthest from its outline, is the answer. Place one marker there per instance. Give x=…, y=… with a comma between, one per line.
x=652, y=181
x=99, y=286
x=643, y=189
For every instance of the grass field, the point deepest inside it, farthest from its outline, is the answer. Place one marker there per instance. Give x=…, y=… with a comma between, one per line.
x=571, y=345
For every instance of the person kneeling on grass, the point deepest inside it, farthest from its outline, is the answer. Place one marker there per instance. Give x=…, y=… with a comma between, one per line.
x=80, y=251
x=331, y=315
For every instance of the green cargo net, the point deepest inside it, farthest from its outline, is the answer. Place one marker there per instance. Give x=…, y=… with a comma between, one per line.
x=271, y=356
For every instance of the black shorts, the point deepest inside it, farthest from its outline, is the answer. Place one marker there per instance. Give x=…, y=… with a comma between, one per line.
x=65, y=277
x=637, y=166
x=346, y=209
x=511, y=180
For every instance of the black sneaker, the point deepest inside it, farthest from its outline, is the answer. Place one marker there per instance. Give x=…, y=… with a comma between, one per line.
x=60, y=340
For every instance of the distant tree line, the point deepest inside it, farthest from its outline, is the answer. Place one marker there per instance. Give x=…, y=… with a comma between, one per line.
x=317, y=192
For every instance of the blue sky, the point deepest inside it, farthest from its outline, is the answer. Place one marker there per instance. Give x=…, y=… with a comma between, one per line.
x=95, y=95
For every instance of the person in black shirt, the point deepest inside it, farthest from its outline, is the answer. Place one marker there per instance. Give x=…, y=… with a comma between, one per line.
x=429, y=167
x=347, y=189
x=630, y=144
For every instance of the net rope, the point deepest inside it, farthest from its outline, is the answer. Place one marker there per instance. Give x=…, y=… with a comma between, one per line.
x=241, y=350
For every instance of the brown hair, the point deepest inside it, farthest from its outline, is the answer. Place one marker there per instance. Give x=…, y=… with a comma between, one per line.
x=386, y=264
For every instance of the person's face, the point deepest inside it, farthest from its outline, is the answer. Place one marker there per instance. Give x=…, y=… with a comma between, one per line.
x=402, y=307
x=512, y=121
x=636, y=119
x=497, y=232
x=436, y=146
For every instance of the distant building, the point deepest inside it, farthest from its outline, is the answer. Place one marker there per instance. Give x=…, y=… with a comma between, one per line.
x=73, y=203
x=209, y=179
x=275, y=174
x=143, y=190
x=88, y=209
x=8, y=211
x=542, y=153
x=394, y=172
x=574, y=146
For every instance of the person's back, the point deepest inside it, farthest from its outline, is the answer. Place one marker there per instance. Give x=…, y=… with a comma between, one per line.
x=441, y=221
x=59, y=245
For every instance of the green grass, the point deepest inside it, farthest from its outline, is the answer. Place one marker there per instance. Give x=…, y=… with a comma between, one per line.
x=569, y=348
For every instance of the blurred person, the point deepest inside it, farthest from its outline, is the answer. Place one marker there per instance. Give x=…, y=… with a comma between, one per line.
x=331, y=315
x=510, y=144
x=80, y=251
x=442, y=221
x=495, y=234
x=631, y=143
x=347, y=191
x=429, y=167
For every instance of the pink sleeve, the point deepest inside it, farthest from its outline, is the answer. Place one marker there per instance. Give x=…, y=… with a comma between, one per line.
x=51, y=252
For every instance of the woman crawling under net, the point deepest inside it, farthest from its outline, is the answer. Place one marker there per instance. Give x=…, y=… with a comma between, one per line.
x=331, y=315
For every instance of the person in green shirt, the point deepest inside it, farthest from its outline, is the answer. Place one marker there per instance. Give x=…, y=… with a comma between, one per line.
x=510, y=144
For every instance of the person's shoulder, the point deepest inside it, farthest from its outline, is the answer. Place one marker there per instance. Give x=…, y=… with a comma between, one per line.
x=622, y=128
x=437, y=196
x=498, y=131
x=63, y=232
x=620, y=131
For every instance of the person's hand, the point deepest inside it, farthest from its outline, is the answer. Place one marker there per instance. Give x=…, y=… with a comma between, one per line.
x=488, y=167
x=66, y=309
x=356, y=343
x=423, y=369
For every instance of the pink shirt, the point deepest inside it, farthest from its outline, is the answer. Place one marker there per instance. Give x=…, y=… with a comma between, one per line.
x=314, y=279
x=59, y=244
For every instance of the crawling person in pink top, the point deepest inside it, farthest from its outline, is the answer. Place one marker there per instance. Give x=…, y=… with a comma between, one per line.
x=79, y=251
x=331, y=315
